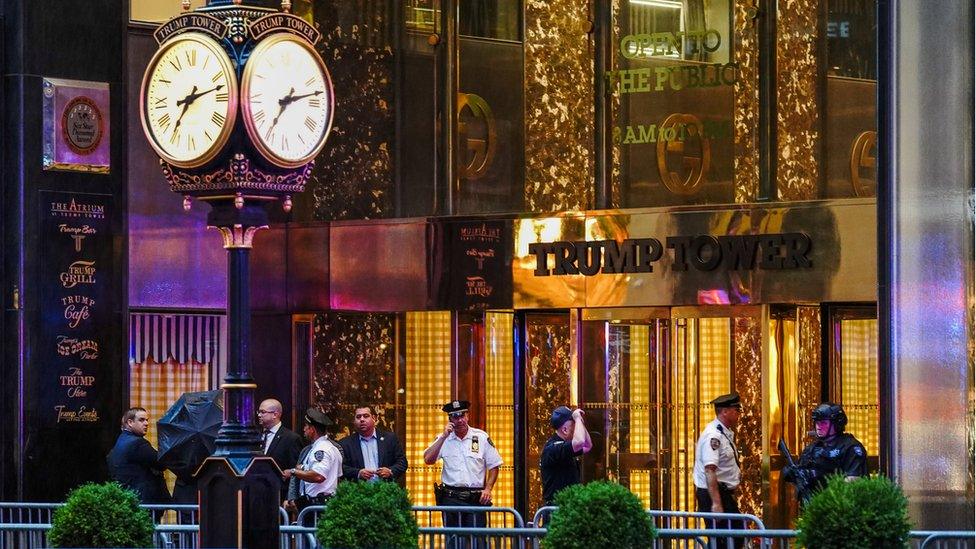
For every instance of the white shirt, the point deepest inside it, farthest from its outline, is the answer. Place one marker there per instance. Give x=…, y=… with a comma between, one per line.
x=270, y=437
x=466, y=460
x=325, y=460
x=716, y=446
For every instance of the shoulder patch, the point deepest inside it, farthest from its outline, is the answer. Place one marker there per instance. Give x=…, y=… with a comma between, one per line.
x=858, y=451
x=490, y=442
x=319, y=455
x=715, y=443
x=557, y=443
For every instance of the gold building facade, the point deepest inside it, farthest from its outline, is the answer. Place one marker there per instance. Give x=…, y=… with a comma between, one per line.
x=731, y=144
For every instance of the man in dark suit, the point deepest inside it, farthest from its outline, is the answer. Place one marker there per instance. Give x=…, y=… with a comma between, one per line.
x=280, y=443
x=134, y=463
x=371, y=454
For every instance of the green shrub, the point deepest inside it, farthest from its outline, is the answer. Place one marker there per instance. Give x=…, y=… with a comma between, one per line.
x=101, y=515
x=869, y=512
x=599, y=514
x=366, y=515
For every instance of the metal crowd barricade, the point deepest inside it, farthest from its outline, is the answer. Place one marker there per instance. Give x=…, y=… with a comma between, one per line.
x=701, y=538
x=494, y=518
x=480, y=538
x=668, y=519
x=695, y=520
x=925, y=539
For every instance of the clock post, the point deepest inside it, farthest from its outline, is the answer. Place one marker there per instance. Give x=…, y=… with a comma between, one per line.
x=237, y=59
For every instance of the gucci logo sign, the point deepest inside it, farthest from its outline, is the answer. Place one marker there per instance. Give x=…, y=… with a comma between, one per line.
x=864, y=159
x=682, y=141
x=476, y=127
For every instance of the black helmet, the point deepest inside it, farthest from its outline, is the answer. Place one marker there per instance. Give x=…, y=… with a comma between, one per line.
x=834, y=413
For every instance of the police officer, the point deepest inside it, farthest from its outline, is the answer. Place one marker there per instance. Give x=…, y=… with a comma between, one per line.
x=470, y=469
x=321, y=467
x=560, y=455
x=833, y=452
x=716, y=473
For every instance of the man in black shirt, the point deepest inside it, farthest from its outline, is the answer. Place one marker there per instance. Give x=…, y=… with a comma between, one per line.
x=833, y=452
x=560, y=467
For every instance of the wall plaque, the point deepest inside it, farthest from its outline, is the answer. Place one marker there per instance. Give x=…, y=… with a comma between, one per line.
x=76, y=126
x=75, y=277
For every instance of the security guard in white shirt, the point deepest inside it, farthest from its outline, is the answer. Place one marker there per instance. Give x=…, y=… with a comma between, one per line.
x=471, y=465
x=716, y=471
x=321, y=467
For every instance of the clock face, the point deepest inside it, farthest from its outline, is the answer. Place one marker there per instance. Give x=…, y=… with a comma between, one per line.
x=288, y=101
x=189, y=100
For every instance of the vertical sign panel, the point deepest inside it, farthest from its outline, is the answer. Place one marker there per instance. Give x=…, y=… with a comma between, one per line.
x=74, y=281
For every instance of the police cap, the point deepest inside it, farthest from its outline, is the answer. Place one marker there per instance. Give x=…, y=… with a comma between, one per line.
x=730, y=400
x=456, y=407
x=317, y=418
x=559, y=416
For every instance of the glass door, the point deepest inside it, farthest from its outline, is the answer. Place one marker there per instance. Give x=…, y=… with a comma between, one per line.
x=646, y=379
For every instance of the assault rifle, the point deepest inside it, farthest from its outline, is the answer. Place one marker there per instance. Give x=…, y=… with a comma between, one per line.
x=803, y=478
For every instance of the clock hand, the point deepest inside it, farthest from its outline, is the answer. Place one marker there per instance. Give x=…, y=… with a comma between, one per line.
x=282, y=104
x=189, y=100
x=297, y=97
x=193, y=96
x=186, y=102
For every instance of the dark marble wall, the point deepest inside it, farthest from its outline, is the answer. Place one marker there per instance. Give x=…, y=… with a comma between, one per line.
x=354, y=362
x=73, y=40
x=354, y=175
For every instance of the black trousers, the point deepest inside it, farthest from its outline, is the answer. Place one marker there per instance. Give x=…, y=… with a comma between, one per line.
x=463, y=520
x=729, y=505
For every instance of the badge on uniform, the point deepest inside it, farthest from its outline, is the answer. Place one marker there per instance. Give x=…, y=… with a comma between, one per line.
x=715, y=443
x=319, y=454
x=474, y=445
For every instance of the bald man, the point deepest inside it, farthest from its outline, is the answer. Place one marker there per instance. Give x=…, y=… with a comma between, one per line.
x=280, y=443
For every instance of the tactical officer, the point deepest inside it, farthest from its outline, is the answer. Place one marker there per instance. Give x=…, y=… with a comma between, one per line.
x=716, y=472
x=321, y=466
x=833, y=452
x=560, y=455
x=470, y=469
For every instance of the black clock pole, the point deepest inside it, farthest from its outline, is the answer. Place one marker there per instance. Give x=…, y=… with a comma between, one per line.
x=239, y=488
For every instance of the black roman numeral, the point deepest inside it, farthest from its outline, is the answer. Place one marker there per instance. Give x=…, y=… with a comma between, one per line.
x=314, y=103
x=259, y=117
x=191, y=57
x=176, y=64
x=222, y=97
x=310, y=81
x=216, y=76
x=164, y=121
x=309, y=123
x=218, y=119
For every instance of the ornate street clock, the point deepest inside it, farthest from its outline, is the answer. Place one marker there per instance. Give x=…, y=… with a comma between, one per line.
x=286, y=95
x=189, y=100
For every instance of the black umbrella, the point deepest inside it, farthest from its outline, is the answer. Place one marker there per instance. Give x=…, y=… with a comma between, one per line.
x=187, y=432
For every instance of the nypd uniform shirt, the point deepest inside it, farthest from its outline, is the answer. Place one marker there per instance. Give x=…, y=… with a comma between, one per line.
x=325, y=460
x=716, y=446
x=466, y=460
x=559, y=465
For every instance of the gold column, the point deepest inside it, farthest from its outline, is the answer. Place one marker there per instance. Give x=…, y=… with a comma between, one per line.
x=500, y=400
x=747, y=365
x=798, y=102
x=558, y=106
x=746, y=118
x=428, y=387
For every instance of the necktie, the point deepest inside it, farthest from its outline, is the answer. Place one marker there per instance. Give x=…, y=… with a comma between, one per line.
x=264, y=440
